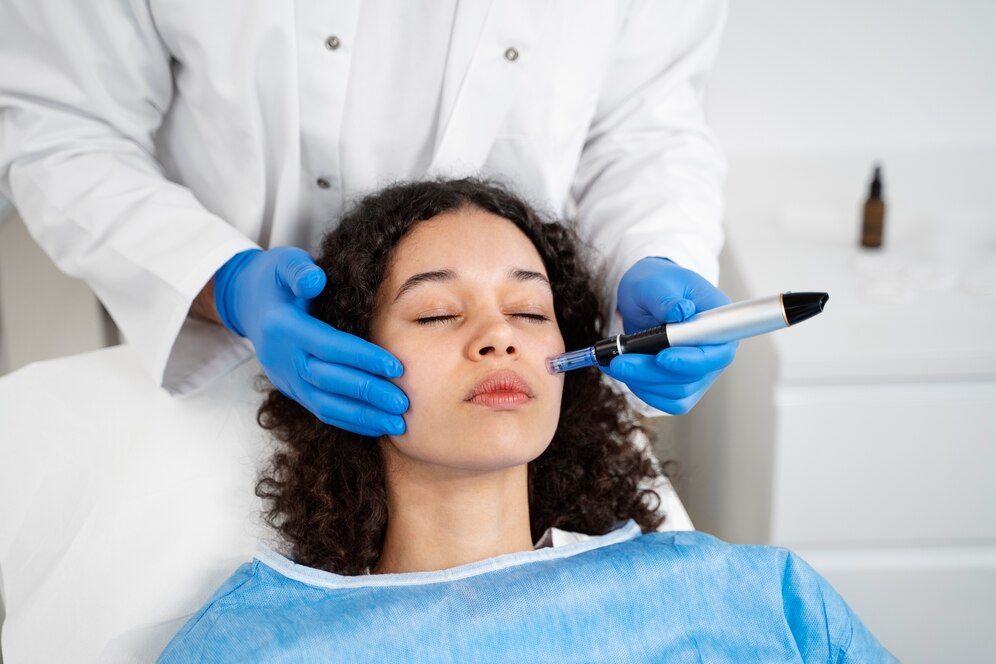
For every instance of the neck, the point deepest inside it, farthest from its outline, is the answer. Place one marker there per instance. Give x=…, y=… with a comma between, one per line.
x=441, y=517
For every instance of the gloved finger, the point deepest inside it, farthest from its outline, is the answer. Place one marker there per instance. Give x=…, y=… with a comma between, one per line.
x=329, y=407
x=326, y=343
x=662, y=307
x=641, y=368
x=704, y=294
x=672, y=406
x=671, y=390
x=356, y=383
x=363, y=431
x=697, y=360
x=297, y=271
x=709, y=298
x=642, y=372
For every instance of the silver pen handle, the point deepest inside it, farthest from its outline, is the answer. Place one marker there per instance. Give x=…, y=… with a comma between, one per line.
x=729, y=322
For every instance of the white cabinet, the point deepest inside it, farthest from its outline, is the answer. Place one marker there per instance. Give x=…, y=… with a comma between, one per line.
x=865, y=438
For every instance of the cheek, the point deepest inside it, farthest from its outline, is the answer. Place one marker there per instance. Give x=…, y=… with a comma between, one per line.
x=421, y=381
x=427, y=373
x=402, y=344
x=557, y=345
x=553, y=346
x=421, y=371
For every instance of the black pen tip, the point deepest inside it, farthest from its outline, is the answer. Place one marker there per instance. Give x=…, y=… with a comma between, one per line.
x=800, y=306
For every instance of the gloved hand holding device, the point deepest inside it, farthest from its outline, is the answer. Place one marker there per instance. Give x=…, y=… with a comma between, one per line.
x=656, y=291
x=341, y=378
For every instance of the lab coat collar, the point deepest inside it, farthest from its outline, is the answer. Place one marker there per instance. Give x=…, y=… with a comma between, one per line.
x=480, y=81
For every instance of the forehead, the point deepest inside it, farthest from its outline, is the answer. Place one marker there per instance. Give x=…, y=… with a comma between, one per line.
x=474, y=243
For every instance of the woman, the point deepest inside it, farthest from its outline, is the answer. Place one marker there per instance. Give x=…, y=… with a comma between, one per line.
x=420, y=546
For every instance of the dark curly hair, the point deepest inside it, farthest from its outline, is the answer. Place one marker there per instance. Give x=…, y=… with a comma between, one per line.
x=325, y=487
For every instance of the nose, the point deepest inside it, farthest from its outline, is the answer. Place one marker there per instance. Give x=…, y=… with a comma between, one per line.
x=495, y=337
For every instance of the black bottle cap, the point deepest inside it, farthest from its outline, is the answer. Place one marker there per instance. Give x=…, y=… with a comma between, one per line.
x=800, y=306
x=875, y=191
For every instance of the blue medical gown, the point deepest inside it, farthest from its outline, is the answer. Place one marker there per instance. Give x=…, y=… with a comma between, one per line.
x=620, y=597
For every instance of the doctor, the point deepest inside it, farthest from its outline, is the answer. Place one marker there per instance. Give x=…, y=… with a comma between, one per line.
x=183, y=156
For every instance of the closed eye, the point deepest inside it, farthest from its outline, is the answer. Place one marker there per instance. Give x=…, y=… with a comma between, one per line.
x=440, y=320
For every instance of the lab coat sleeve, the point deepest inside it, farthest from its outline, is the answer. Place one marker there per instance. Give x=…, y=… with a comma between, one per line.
x=83, y=89
x=649, y=181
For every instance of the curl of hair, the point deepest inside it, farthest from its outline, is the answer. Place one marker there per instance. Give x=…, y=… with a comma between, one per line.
x=325, y=489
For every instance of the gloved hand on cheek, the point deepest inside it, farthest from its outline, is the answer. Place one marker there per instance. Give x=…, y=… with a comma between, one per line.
x=263, y=295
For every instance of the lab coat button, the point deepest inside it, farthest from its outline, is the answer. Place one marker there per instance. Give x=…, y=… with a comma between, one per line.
x=323, y=183
x=332, y=42
x=511, y=54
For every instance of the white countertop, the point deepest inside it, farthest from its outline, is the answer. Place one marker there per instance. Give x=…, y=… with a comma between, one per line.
x=921, y=308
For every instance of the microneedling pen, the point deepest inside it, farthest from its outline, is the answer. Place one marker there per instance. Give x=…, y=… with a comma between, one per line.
x=730, y=322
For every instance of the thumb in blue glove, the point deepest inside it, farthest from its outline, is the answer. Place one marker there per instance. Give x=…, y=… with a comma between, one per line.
x=264, y=296
x=656, y=291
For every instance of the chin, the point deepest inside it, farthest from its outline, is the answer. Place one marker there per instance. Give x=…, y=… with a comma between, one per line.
x=494, y=459
x=481, y=449
x=504, y=442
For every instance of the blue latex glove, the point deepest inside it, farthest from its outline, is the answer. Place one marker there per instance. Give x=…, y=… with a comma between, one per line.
x=656, y=291
x=263, y=295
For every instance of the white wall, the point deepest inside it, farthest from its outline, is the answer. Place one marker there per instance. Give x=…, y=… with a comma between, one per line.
x=803, y=76
x=806, y=96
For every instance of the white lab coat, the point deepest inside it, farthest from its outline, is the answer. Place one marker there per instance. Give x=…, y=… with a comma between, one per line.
x=145, y=142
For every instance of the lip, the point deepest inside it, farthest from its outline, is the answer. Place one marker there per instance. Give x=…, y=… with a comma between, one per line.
x=500, y=389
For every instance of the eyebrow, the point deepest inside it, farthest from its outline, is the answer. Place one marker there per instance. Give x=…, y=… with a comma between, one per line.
x=515, y=274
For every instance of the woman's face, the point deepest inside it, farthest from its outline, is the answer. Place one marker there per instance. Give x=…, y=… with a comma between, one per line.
x=466, y=296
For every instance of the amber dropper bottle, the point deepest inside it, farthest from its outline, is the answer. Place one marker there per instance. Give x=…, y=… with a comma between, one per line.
x=873, y=217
